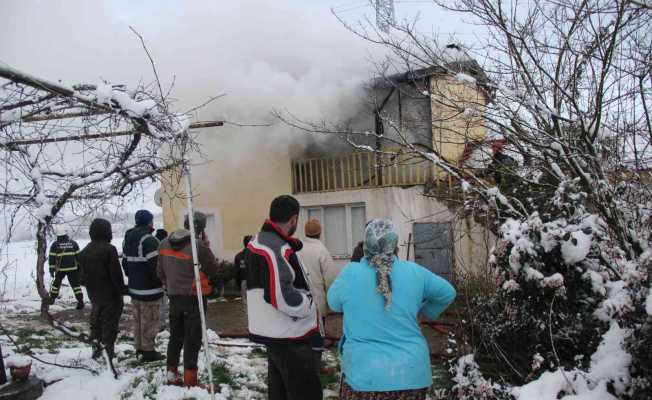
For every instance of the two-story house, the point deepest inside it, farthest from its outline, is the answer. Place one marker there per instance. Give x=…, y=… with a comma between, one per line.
x=344, y=187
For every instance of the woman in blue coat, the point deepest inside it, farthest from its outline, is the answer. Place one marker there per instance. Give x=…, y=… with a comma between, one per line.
x=383, y=352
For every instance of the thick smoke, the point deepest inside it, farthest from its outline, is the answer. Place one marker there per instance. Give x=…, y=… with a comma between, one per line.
x=263, y=54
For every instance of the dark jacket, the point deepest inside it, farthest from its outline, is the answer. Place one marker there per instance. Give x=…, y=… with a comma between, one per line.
x=279, y=303
x=100, y=267
x=139, y=257
x=240, y=267
x=63, y=254
x=175, y=266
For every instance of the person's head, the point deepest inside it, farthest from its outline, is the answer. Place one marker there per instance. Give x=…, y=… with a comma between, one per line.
x=199, y=220
x=312, y=229
x=380, y=243
x=100, y=230
x=358, y=252
x=61, y=232
x=144, y=218
x=161, y=234
x=246, y=240
x=284, y=212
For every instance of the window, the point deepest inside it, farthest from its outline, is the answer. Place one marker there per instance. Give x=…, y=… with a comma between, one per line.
x=342, y=226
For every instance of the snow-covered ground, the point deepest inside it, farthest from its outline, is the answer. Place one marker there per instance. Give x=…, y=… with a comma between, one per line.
x=239, y=367
x=239, y=372
x=18, y=272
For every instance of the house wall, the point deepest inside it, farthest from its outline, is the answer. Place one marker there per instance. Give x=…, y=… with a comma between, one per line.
x=404, y=206
x=451, y=127
x=235, y=196
x=409, y=110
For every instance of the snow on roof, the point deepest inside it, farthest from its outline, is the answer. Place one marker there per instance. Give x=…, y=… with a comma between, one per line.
x=454, y=53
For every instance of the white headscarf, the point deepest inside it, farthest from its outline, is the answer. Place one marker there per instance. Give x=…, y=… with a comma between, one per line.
x=379, y=246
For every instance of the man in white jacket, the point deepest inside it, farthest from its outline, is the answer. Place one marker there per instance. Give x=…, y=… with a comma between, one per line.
x=319, y=265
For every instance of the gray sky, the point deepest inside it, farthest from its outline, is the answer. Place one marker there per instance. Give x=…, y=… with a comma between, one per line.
x=264, y=54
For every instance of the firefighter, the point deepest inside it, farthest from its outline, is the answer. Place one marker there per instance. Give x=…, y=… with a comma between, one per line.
x=64, y=262
x=176, y=270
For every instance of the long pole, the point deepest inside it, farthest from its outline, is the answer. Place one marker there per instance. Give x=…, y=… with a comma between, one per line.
x=195, y=261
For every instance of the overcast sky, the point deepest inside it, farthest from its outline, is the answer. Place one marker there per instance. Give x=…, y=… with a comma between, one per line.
x=263, y=54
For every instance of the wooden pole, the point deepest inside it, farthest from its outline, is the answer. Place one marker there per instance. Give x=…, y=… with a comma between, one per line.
x=15, y=143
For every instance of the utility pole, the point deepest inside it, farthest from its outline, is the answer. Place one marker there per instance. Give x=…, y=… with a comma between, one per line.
x=385, y=16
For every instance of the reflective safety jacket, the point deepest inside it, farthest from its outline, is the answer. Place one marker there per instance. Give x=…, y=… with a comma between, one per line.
x=64, y=254
x=139, y=259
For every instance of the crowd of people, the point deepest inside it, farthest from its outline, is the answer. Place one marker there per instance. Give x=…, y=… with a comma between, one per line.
x=288, y=287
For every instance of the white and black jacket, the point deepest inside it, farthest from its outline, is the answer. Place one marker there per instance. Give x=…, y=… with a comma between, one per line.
x=279, y=303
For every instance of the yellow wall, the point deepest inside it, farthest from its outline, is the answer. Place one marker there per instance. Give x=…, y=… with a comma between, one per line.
x=237, y=184
x=451, y=129
x=243, y=171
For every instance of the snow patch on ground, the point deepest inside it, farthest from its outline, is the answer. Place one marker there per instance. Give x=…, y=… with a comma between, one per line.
x=609, y=364
x=84, y=385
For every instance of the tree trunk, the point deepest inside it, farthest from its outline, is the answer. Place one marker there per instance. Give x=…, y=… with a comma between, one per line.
x=41, y=254
x=3, y=374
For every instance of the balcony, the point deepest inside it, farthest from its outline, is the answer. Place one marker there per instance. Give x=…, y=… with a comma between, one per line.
x=362, y=171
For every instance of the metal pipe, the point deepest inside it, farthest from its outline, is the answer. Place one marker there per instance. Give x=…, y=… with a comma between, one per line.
x=195, y=262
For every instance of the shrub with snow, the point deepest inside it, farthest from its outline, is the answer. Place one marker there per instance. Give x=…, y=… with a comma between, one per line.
x=568, y=319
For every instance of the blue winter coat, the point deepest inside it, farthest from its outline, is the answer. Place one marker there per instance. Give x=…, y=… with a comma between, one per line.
x=384, y=350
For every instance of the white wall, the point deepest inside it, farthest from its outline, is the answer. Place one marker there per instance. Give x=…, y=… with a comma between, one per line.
x=402, y=206
x=405, y=206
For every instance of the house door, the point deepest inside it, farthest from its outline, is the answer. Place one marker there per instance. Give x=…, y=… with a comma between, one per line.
x=433, y=247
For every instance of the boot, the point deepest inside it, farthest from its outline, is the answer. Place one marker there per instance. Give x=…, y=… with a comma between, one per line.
x=97, y=352
x=189, y=377
x=151, y=356
x=52, y=299
x=80, y=302
x=173, y=376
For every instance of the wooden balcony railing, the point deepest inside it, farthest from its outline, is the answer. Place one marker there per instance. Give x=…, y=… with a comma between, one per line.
x=361, y=170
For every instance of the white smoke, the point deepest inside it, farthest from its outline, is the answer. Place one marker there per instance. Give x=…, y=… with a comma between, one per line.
x=263, y=54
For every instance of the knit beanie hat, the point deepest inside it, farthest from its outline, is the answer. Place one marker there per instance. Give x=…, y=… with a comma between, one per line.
x=379, y=245
x=144, y=218
x=312, y=228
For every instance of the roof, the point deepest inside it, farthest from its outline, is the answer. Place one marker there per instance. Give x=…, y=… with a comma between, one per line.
x=454, y=61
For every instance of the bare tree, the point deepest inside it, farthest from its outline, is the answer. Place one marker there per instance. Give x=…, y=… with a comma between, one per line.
x=566, y=87
x=71, y=151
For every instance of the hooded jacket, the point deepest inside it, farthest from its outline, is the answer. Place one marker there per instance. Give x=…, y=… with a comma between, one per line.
x=175, y=267
x=139, y=253
x=280, y=307
x=100, y=267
